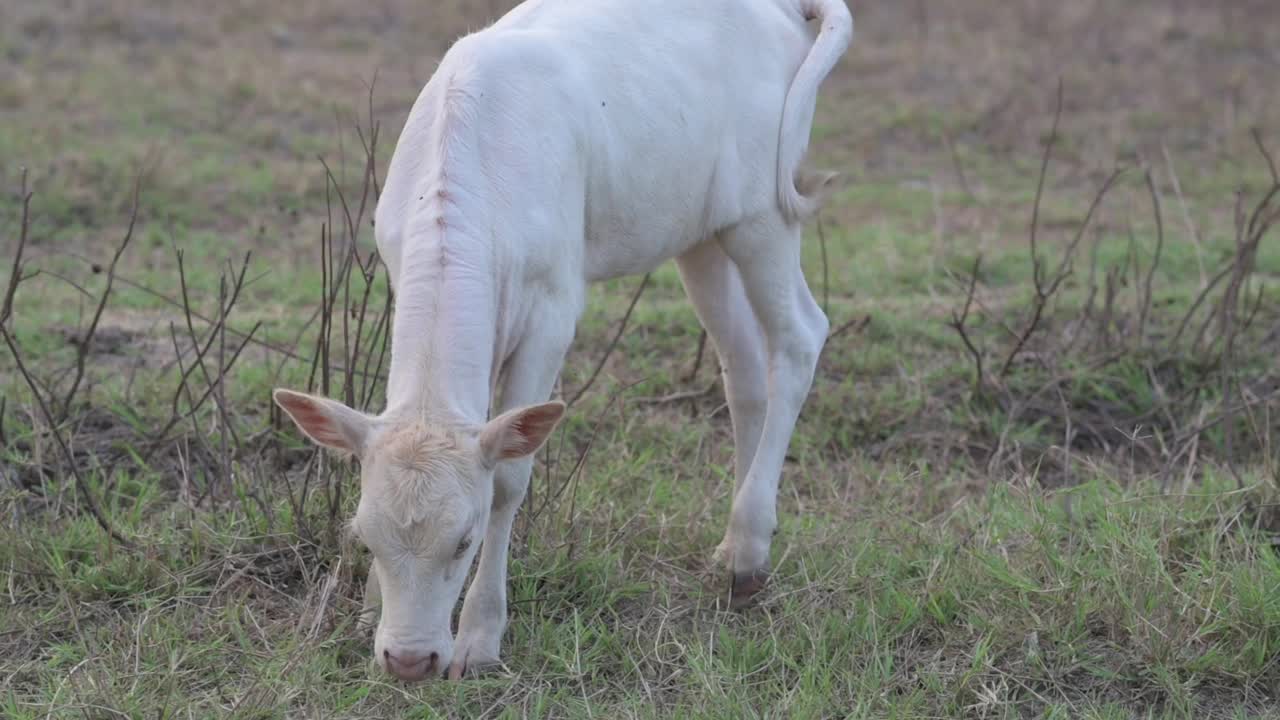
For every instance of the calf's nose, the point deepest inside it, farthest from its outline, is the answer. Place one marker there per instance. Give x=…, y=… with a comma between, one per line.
x=410, y=666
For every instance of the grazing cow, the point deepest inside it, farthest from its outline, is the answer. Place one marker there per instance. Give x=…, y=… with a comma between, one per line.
x=571, y=142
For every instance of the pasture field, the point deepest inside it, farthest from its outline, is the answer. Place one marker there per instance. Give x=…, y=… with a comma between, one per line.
x=1036, y=476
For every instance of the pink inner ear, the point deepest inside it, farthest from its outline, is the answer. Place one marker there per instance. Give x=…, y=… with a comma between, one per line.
x=522, y=444
x=313, y=420
x=529, y=429
x=317, y=423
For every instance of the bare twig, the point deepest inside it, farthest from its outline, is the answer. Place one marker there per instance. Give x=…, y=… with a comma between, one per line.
x=183, y=388
x=1200, y=298
x=290, y=354
x=1251, y=227
x=1266, y=155
x=1045, y=291
x=959, y=166
x=1064, y=267
x=226, y=302
x=320, y=355
x=1155, y=259
x=187, y=313
x=370, y=148
x=371, y=379
x=1249, y=237
x=676, y=396
x=575, y=472
x=352, y=345
x=622, y=326
x=1211, y=375
x=338, y=261
x=697, y=358
x=204, y=397
x=826, y=276
x=186, y=458
x=371, y=144
x=856, y=324
x=1044, y=170
x=15, y=273
x=1192, y=232
x=82, y=347
x=1086, y=314
x=220, y=387
x=69, y=282
x=959, y=323
x=72, y=466
x=368, y=275
x=342, y=200
x=1189, y=435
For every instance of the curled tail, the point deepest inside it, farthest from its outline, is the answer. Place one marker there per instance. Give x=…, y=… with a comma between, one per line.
x=802, y=97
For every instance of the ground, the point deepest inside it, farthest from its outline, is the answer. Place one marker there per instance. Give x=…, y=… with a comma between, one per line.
x=1085, y=525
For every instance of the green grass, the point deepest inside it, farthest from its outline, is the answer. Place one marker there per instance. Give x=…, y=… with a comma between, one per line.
x=1013, y=601
x=939, y=554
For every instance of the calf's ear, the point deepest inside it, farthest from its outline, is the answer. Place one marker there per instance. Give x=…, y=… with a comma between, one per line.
x=519, y=433
x=328, y=422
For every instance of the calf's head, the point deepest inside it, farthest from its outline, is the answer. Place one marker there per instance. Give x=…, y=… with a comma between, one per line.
x=425, y=494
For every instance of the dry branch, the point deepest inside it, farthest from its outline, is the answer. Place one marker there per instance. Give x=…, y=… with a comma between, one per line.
x=1044, y=170
x=203, y=351
x=826, y=275
x=697, y=357
x=1192, y=232
x=856, y=324
x=90, y=499
x=15, y=273
x=1155, y=260
x=622, y=327
x=959, y=321
x=1044, y=292
x=82, y=347
x=1266, y=155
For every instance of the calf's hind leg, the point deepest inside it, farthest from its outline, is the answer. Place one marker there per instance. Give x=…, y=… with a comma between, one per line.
x=766, y=252
x=714, y=287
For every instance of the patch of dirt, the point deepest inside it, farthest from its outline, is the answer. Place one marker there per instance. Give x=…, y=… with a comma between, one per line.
x=123, y=341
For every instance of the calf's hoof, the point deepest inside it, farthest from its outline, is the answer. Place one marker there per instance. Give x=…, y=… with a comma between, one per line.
x=471, y=668
x=746, y=588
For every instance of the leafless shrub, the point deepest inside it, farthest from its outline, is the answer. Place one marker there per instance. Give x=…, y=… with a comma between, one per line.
x=204, y=440
x=47, y=414
x=1200, y=381
x=215, y=380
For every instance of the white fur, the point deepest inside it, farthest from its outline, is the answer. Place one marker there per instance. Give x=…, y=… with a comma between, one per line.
x=570, y=142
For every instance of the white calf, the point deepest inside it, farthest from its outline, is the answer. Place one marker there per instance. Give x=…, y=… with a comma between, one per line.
x=570, y=142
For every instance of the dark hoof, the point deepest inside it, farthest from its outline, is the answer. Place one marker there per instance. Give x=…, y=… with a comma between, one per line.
x=746, y=588
x=471, y=669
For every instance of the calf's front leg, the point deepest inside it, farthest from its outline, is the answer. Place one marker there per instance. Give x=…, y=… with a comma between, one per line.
x=372, y=603
x=531, y=377
x=484, y=611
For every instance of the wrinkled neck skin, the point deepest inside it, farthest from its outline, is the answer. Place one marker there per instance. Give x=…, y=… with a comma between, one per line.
x=440, y=222
x=443, y=334
x=449, y=330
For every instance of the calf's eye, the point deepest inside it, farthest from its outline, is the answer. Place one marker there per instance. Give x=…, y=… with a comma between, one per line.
x=462, y=548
